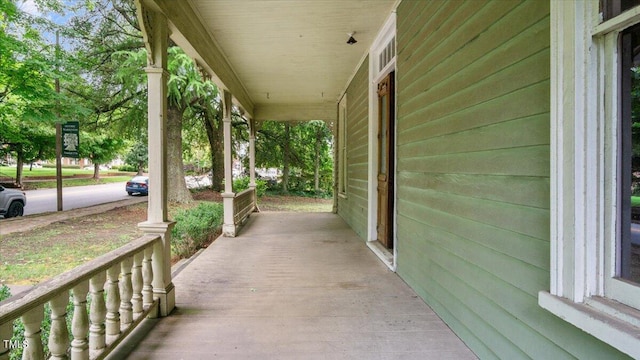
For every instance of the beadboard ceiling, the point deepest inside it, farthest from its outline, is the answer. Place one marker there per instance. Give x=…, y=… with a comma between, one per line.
x=289, y=56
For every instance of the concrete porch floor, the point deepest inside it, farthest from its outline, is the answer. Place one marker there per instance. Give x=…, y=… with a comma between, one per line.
x=294, y=286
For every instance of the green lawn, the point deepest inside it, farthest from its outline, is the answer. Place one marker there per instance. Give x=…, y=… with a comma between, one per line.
x=11, y=172
x=27, y=175
x=635, y=201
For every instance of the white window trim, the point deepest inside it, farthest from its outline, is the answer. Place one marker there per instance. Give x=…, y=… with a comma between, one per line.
x=583, y=176
x=387, y=33
x=342, y=147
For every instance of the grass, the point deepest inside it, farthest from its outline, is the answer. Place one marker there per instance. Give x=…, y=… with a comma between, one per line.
x=11, y=172
x=294, y=204
x=635, y=201
x=33, y=256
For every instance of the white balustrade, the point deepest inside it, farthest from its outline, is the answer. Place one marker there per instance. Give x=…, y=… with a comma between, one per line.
x=113, y=301
x=136, y=281
x=126, y=292
x=32, y=321
x=147, y=278
x=80, y=322
x=124, y=276
x=98, y=313
x=59, y=335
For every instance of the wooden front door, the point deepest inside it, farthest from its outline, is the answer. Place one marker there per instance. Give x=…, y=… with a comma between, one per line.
x=386, y=112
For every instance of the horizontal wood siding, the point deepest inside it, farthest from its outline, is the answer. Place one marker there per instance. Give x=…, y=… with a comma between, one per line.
x=473, y=162
x=353, y=208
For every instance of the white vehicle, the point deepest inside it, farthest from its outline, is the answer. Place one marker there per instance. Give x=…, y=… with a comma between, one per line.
x=12, y=202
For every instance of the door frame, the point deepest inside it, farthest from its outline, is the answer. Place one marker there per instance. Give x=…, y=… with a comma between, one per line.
x=386, y=34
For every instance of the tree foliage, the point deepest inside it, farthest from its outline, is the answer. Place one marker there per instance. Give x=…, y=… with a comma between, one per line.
x=301, y=150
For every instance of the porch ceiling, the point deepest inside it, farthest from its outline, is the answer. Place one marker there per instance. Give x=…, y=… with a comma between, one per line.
x=286, y=59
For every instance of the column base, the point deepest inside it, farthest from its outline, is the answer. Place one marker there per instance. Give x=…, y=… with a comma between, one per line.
x=229, y=230
x=163, y=288
x=167, y=298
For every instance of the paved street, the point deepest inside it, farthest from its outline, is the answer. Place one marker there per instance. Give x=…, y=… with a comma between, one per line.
x=41, y=201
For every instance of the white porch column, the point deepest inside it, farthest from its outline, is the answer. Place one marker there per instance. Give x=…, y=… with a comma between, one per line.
x=252, y=161
x=229, y=227
x=252, y=153
x=156, y=36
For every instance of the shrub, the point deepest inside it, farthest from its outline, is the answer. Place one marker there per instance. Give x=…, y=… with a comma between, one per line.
x=126, y=168
x=194, y=227
x=242, y=183
x=53, y=166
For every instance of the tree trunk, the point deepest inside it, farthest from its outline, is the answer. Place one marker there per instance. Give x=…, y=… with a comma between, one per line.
x=176, y=185
x=286, y=154
x=316, y=173
x=96, y=172
x=140, y=168
x=19, y=164
x=213, y=125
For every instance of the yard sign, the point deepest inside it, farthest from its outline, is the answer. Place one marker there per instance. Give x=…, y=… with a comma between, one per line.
x=70, y=139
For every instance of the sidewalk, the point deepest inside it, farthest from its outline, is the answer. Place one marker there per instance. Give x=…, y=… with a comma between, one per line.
x=30, y=222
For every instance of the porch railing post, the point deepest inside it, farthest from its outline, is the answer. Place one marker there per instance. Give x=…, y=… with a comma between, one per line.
x=229, y=226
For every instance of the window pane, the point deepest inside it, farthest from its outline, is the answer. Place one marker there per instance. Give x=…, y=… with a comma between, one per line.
x=383, y=135
x=630, y=155
x=613, y=8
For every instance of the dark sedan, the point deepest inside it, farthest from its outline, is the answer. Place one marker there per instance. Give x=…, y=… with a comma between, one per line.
x=138, y=185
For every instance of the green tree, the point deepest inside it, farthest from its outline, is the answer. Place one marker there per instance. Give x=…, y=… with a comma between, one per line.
x=100, y=149
x=29, y=103
x=138, y=156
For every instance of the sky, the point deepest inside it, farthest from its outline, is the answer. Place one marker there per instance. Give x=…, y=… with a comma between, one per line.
x=29, y=6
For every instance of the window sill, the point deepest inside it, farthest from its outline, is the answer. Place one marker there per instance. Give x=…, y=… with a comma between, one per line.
x=342, y=195
x=614, y=323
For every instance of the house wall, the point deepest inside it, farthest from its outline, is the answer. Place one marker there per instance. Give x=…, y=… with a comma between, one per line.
x=353, y=208
x=473, y=162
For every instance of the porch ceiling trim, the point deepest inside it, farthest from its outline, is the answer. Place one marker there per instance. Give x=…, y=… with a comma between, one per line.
x=296, y=112
x=188, y=32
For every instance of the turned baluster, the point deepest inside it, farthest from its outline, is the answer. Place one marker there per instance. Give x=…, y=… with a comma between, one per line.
x=147, y=278
x=80, y=323
x=126, y=292
x=113, y=301
x=59, y=335
x=32, y=320
x=98, y=312
x=136, y=284
x=6, y=330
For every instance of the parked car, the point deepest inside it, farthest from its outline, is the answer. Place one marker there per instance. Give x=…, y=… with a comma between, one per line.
x=12, y=202
x=138, y=185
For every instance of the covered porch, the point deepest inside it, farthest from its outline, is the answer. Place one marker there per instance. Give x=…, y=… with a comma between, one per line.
x=293, y=286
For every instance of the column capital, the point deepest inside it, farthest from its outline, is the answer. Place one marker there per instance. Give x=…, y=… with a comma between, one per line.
x=156, y=70
x=153, y=228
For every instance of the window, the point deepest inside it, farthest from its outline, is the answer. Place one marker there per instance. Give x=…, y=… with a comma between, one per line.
x=629, y=267
x=595, y=136
x=342, y=146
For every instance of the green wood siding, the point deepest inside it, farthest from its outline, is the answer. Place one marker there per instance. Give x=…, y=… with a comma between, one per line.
x=353, y=208
x=473, y=162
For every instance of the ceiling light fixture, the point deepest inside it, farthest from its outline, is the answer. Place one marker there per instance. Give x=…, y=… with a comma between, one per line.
x=351, y=40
